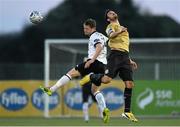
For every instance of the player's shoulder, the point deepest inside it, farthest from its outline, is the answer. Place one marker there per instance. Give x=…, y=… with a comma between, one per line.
x=96, y=35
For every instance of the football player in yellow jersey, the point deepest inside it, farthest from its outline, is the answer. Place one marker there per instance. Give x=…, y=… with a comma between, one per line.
x=118, y=61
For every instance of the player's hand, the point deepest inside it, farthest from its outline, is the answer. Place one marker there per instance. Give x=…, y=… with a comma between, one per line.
x=123, y=29
x=88, y=63
x=134, y=65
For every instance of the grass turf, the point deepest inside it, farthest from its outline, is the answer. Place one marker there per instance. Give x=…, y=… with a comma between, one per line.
x=80, y=122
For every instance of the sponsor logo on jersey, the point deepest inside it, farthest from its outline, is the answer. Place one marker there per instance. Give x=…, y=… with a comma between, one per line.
x=106, y=71
x=97, y=40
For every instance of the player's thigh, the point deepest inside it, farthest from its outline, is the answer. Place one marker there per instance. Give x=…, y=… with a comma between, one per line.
x=106, y=79
x=74, y=73
x=126, y=74
x=125, y=70
x=97, y=67
x=112, y=66
x=80, y=68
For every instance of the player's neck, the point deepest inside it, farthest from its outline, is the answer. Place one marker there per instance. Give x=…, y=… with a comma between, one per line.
x=115, y=21
x=92, y=32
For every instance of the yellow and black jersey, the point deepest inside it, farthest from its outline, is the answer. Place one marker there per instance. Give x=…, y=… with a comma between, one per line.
x=121, y=41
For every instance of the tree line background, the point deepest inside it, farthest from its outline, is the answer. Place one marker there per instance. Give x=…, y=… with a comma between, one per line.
x=65, y=21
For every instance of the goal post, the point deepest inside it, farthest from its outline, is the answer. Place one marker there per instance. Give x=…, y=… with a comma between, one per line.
x=48, y=43
x=60, y=55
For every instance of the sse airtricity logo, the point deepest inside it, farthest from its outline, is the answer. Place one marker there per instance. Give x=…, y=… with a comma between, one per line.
x=14, y=99
x=73, y=98
x=145, y=98
x=114, y=97
x=38, y=98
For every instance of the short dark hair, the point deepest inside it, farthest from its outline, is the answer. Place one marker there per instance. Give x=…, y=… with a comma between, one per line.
x=90, y=22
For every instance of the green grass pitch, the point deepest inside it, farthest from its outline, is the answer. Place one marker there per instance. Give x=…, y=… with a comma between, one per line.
x=80, y=122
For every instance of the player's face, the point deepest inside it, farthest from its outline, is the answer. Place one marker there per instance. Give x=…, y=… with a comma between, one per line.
x=112, y=16
x=88, y=30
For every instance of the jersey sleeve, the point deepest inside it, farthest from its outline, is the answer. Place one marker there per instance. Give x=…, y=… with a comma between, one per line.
x=110, y=28
x=99, y=39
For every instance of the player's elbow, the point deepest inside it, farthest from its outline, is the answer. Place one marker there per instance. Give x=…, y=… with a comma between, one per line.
x=99, y=46
x=112, y=35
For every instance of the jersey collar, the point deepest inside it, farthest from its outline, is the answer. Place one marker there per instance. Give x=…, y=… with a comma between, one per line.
x=93, y=32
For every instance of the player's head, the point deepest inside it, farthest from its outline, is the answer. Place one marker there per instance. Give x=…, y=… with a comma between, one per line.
x=111, y=15
x=89, y=26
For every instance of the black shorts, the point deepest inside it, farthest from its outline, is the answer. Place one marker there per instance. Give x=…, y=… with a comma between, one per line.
x=119, y=63
x=86, y=92
x=97, y=68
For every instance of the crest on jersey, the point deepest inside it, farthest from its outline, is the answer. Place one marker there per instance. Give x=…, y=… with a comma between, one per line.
x=97, y=40
x=106, y=71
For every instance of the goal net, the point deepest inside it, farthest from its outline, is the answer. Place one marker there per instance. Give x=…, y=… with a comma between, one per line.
x=61, y=56
x=158, y=60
